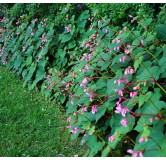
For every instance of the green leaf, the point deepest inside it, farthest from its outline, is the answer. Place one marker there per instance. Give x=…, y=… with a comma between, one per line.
x=156, y=144
x=71, y=44
x=136, y=42
x=111, y=86
x=101, y=111
x=84, y=15
x=144, y=98
x=28, y=60
x=39, y=76
x=39, y=32
x=31, y=71
x=24, y=73
x=141, y=123
x=101, y=83
x=81, y=24
x=18, y=62
x=86, y=125
x=162, y=64
x=50, y=33
x=94, y=146
x=137, y=63
x=92, y=130
x=114, y=143
x=66, y=38
x=161, y=32
x=149, y=72
x=146, y=132
x=74, y=136
x=29, y=51
x=147, y=22
x=106, y=151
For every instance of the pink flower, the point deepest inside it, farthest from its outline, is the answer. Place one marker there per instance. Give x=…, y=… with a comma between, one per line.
x=38, y=59
x=67, y=17
x=4, y=62
x=72, y=102
x=118, y=41
x=121, y=110
x=111, y=138
x=106, y=31
x=131, y=16
x=91, y=48
x=141, y=140
x=133, y=94
x=130, y=151
x=125, y=28
x=136, y=88
x=124, y=111
x=67, y=28
x=116, y=48
x=127, y=51
x=151, y=120
x=120, y=32
x=128, y=46
x=69, y=126
x=91, y=97
x=33, y=21
x=122, y=59
x=48, y=87
x=2, y=20
x=135, y=153
x=142, y=42
x=69, y=119
x=23, y=49
x=2, y=55
x=82, y=131
x=140, y=154
x=129, y=71
x=68, y=84
x=83, y=84
x=119, y=81
x=124, y=122
x=86, y=67
x=75, y=130
x=118, y=109
x=83, y=44
x=94, y=109
x=84, y=109
x=120, y=92
x=87, y=45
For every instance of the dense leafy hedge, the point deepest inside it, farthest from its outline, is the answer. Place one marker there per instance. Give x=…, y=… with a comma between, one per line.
x=110, y=76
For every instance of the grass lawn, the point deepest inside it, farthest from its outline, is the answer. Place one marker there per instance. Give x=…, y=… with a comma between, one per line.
x=30, y=125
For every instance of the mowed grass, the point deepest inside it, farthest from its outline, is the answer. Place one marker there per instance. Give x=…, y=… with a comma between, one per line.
x=30, y=125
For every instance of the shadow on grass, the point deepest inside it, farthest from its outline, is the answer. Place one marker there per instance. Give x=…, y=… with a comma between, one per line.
x=30, y=125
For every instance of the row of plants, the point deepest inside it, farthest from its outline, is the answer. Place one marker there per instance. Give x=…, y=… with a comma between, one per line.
x=110, y=76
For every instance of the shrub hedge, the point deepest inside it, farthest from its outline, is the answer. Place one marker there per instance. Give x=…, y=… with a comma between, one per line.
x=105, y=63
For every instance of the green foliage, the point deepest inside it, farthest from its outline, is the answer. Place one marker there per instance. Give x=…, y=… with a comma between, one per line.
x=110, y=78
x=161, y=32
x=161, y=17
